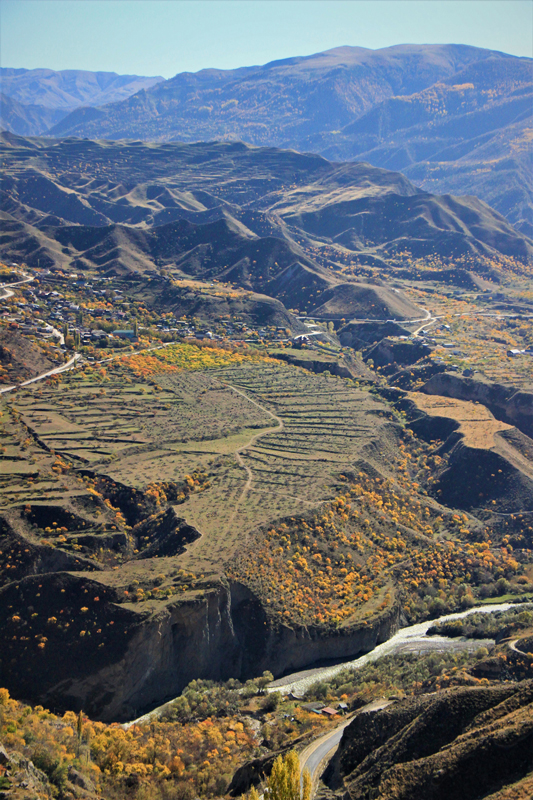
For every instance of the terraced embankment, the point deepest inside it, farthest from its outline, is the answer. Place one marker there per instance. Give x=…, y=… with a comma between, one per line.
x=264, y=546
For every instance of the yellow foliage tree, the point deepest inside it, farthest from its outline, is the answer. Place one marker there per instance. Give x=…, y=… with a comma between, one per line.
x=286, y=781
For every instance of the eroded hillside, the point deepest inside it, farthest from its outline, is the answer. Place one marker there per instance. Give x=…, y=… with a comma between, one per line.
x=249, y=512
x=469, y=742
x=288, y=225
x=287, y=427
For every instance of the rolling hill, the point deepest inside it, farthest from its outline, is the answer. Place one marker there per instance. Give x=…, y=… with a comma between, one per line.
x=270, y=221
x=262, y=218
x=453, y=118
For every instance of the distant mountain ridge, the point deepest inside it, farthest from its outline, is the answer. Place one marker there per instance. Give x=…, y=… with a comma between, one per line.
x=454, y=118
x=445, y=137
x=33, y=100
x=284, y=100
x=27, y=120
x=70, y=88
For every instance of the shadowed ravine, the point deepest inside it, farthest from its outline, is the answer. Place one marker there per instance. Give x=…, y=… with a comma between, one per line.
x=412, y=638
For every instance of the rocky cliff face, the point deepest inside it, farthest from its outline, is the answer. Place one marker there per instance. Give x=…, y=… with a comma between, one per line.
x=219, y=634
x=192, y=639
x=286, y=649
x=483, y=467
x=474, y=477
x=390, y=352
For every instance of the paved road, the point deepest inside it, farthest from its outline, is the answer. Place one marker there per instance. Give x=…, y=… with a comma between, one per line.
x=57, y=370
x=5, y=287
x=512, y=646
x=316, y=760
x=319, y=753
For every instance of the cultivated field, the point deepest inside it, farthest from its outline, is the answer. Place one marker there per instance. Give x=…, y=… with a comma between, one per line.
x=476, y=423
x=308, y=488
x=271, y=437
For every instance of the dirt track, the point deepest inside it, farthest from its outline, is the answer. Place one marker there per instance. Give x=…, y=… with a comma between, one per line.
x=279, y=427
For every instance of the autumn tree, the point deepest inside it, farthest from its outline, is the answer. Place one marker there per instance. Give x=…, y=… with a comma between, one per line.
x=79, y=731
x=286, y=781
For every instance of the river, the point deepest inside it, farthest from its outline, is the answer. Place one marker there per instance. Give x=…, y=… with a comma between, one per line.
x=411, y=639
x=408, y=640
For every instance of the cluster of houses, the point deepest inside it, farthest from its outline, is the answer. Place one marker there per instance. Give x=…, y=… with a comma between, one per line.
x=46, y=300
x=317, y=707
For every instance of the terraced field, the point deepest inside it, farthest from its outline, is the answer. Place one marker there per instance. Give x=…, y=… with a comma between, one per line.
x=324, y=425
x=26, y=470
x=95, y=421
x=290, y=500
x=272, y=438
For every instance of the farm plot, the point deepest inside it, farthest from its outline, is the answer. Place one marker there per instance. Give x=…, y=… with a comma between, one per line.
x=26, y=471
x=272, y=439
x=91, y=424
x=96, y=422
x=327, y=424
x=321, y=426
x=476, y=423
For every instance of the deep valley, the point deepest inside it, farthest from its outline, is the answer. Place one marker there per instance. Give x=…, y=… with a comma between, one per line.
x=260, y=410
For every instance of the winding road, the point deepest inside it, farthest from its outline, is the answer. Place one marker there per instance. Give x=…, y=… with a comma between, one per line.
x=8, y=293
x=429, y=319
x=319, y=753
x=57, y=370
x=512, y=646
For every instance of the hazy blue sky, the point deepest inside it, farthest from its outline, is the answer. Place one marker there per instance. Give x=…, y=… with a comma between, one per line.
x=164, y=37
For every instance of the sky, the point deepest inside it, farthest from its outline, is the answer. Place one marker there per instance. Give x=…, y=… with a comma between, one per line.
x=164, y=37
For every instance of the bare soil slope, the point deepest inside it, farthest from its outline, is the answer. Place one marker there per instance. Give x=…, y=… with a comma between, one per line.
x=273, y=221
x=461, y=742
x=20, y=359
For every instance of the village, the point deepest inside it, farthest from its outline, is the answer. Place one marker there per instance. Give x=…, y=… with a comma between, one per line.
x=93, y=315
x=93, y=318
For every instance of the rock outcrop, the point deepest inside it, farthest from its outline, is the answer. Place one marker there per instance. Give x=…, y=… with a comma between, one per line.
x=134, y=661
x=458, y=743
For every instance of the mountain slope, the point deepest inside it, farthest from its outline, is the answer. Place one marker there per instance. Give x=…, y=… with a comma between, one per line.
x=271, y=221
x=279, y=103
x=445, y=137
x=70, y=88
x=454, y=119
x=461, y=742
x=27, y=120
